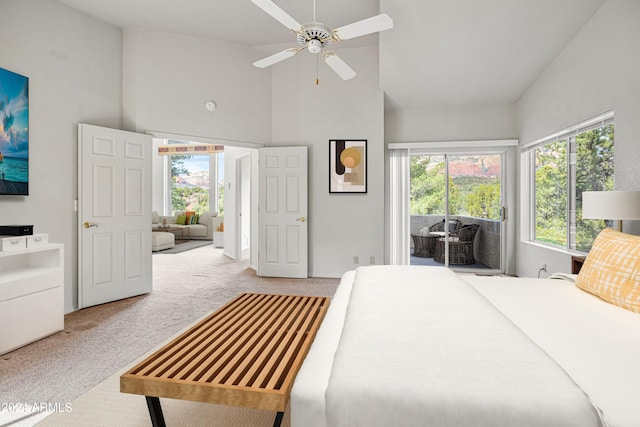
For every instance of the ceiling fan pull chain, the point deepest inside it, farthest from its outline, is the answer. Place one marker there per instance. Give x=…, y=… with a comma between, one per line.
x=317, y=66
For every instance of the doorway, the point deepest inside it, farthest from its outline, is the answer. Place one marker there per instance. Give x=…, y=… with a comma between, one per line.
x=224, y=199
x=455, y=210
x=449, y=203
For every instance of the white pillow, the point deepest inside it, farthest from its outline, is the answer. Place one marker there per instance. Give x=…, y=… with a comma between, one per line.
x=155, y=218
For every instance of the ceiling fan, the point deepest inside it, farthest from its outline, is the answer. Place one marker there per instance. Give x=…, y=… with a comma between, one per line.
x=316, y=36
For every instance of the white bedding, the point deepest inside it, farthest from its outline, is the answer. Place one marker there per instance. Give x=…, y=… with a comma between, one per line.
x=597, y=343
x=535, y=305
x=307, y=395
x=414, y=353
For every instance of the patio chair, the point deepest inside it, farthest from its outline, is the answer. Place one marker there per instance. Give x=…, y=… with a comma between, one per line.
x=424, y=242
x=460, y=245
x=454, y=224
x=434, y=233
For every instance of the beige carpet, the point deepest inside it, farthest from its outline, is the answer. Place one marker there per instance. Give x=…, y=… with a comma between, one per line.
x=105, y=406
x=99, y=342
x=184, y=246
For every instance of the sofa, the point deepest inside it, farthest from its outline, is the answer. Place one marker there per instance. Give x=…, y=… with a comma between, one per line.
x=201, y=229
x=161, y=240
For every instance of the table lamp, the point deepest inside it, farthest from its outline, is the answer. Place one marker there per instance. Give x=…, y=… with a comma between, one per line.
x=613, y=205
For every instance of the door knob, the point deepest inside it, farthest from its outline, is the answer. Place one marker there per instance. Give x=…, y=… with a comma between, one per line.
x=88, y=224
x=301, y=219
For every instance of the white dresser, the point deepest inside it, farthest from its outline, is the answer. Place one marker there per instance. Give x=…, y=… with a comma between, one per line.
x=31, y=293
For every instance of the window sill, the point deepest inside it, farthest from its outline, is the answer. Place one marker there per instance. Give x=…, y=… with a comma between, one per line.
x=556, y=249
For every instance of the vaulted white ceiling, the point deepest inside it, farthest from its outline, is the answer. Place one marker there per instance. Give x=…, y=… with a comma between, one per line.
x=439, y=53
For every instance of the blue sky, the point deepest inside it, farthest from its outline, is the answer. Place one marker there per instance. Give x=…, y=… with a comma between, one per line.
x=14, y=114
x=201, y=163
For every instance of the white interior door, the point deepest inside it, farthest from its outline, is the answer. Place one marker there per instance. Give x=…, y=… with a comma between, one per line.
x=114, y=211
x=282, y=218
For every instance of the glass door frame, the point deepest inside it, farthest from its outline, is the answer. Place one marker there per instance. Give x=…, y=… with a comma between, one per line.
x=506, y=191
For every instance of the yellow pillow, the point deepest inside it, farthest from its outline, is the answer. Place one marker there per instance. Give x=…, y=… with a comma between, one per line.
x=611, y=271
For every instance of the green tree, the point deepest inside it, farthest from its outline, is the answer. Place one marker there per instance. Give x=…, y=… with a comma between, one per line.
x=178, y=199
x=595, y=159
x=177, y=166
x=484, y=201
x=220, y=199
x=551, y=193
x=427, y=193
x=186, y=198
x=201, y=196
x=595, y=150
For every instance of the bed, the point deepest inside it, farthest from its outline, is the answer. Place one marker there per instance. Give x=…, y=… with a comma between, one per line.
x=423, y=346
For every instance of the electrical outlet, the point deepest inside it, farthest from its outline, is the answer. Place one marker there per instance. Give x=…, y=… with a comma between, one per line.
x=543, y=268
x=356, y=259
x=372, y=259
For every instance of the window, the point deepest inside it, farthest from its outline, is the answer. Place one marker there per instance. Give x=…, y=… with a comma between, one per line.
x=474, y=185
x=190, y=183
x=563, y=166
x=195, y=177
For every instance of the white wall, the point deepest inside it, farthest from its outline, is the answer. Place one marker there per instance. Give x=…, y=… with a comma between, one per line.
x=74, y=67
x=169, y=77
x=598, y=71
x=457, y=123
x=188, y=71
x=453, y=123
x=341, y=226
x=159, y=178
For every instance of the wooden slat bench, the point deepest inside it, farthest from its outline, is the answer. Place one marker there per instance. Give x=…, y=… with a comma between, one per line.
x=247, y=353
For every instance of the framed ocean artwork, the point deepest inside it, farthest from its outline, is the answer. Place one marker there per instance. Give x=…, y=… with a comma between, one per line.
x=347, y=166
x=14, y=134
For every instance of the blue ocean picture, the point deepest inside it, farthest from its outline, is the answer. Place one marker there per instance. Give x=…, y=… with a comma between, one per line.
x=14, y=133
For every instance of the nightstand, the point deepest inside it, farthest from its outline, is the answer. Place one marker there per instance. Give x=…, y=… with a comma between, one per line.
x=576, y=263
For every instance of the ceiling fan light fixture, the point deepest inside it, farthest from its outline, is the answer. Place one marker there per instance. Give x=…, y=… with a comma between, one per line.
x=314, y=31
x=314, y=46
x=316, y=36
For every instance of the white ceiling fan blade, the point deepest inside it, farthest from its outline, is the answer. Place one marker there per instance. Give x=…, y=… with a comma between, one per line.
x=362, y=28
x=277, y=57
x=339, y=66
x=280, y=15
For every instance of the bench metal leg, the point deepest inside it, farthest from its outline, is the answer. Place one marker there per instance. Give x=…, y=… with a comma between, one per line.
x=155, y=411
x=278, y=420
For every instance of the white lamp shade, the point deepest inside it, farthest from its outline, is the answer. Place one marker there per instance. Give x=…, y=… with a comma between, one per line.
x=615, y=205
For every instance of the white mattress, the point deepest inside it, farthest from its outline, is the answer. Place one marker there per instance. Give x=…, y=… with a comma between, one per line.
x=307, y=394
x=596, y=343
x=420, y=346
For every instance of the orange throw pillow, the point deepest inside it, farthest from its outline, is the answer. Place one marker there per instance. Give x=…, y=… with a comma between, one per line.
x=188, y=215
x=611, y=270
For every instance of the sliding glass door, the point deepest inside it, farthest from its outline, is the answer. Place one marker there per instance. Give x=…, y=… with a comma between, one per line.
x=456, y=209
